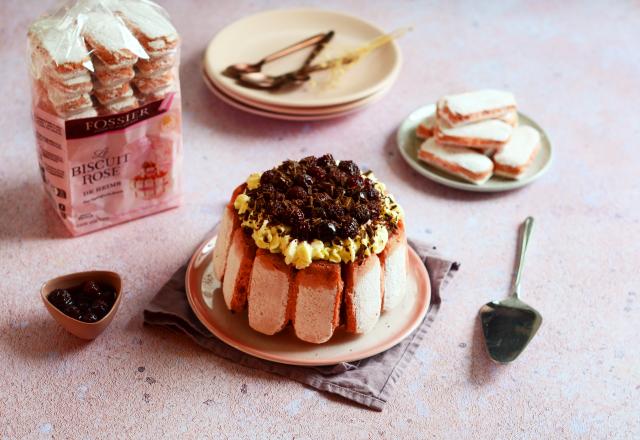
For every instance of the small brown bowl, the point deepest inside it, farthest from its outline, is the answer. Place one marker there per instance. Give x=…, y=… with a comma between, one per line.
x=84, y=330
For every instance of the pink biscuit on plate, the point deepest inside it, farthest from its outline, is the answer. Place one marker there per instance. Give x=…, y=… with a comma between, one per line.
x=474, y=106
x=518, y=154
x=465, y=163
x=490, y=134
x=426, y=127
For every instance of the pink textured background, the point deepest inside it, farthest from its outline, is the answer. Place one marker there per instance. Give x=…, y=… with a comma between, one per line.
x=574, y=66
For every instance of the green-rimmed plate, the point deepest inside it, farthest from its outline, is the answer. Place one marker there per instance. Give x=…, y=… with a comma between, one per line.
x=408, y=144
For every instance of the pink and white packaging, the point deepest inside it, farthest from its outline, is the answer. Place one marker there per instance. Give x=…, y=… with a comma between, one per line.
x=105, y=163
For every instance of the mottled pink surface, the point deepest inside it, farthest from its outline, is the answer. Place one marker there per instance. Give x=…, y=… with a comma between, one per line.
x=574, y=67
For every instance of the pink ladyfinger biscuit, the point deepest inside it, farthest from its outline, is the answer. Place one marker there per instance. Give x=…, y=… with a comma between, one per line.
x=75, y=105
x=114, y=77
x=86, y=113
x=150, y=26
x=62, y=53
x=149, y=85
x=107, y=95
x=111, y=76
x=121, y=105
x=462, y=162
x=476, y=106
x=59, y=61
x=516, y=157
x=490, y=134
x=71, y=86
x=110, y=41
x=270, y=293
x=155, y=65
x=426, y=127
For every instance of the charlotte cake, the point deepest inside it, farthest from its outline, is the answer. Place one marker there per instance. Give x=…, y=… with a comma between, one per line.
x=316, y=244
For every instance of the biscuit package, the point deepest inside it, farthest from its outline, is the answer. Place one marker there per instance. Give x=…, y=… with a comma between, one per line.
x=106, y=110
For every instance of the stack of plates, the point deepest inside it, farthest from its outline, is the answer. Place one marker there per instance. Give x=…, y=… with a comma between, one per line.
x=250, y=39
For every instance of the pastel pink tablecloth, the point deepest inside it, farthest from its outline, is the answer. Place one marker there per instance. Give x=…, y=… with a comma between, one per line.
x=574, y=67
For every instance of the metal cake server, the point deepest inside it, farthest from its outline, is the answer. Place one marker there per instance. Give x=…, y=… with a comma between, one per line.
x=510, y=324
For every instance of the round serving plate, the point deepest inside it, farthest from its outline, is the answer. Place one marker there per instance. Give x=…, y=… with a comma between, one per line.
x=283, y=116
x=409, y=144
x=281, y=27
x=303, y=111
x=205, y=297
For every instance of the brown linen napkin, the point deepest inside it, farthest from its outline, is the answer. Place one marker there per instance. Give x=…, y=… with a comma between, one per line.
x=369, y=381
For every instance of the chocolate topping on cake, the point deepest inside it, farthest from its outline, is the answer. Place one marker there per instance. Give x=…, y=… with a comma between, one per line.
x=319, y=198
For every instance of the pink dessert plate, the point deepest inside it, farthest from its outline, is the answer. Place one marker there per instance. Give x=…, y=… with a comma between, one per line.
x=284, y=116
x=205, y=297
x=279, y=28
x=304, y=111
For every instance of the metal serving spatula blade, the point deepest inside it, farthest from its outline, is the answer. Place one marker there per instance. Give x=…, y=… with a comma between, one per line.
x=510, y=324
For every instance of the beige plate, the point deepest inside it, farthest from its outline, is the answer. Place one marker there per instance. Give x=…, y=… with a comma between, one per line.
x=408, y=144
x=302, y=111
x=84, y=330
x=282, y=27
x=287, y=116
x=205, y=298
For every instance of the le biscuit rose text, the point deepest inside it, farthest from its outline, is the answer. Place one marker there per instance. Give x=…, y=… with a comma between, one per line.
x=97, y=170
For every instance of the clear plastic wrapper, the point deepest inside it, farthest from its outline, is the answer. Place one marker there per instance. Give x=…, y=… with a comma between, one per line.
x=107, y=110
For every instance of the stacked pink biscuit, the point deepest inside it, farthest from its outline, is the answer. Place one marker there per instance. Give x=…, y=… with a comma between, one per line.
x=104, y=61
x=60, y=66
x=475, y=135
x=154, y=76
x=114, y=52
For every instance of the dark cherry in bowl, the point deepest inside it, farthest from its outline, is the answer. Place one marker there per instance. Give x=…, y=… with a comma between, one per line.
x=83, y=303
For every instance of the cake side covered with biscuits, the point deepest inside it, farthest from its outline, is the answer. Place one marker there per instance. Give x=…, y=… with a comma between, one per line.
x=315, y=243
